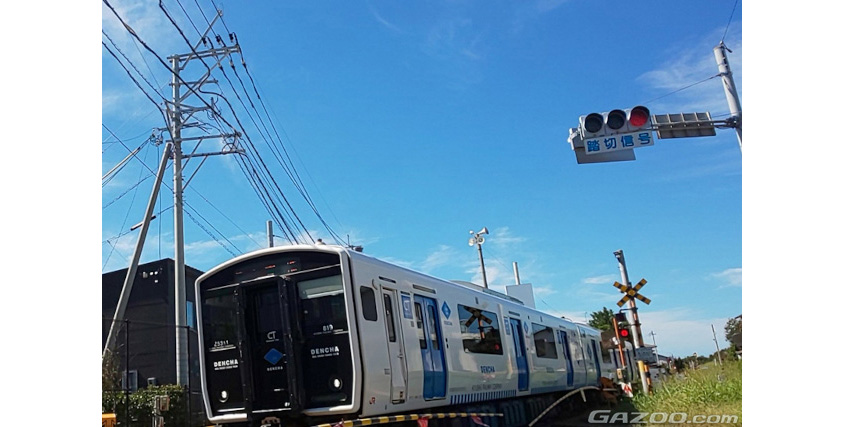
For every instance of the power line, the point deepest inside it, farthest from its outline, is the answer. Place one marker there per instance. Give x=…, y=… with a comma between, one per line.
x=133, y=66
x=252, y=164
x=682, y=89
x=729, y=21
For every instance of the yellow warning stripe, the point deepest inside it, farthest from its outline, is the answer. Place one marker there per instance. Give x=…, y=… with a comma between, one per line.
x=408, y=417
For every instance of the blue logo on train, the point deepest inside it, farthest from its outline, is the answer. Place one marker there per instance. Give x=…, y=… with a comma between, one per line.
x=273, y=356
x=446, y=310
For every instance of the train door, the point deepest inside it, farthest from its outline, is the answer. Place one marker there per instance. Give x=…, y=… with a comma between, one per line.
x=268, y=349
x=521, y=354
x=597, y=357
x=564, y=339
x=395, y=345
x=430, y=343
x=579, y=352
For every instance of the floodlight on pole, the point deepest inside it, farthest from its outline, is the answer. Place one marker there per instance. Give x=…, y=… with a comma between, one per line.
x=479, y=239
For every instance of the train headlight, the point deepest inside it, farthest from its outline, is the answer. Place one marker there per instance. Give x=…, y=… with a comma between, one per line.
x=224, y=396
x=335, y=383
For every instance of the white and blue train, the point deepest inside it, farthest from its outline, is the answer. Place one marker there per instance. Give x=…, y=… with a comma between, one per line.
x=315, y=334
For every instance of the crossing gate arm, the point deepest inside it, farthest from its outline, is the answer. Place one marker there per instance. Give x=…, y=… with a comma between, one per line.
x=569, y=394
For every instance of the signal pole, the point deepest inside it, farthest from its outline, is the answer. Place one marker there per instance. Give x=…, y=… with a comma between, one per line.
x=729, y=87
x=479, y=240
x=637, y=327
x=637, y=331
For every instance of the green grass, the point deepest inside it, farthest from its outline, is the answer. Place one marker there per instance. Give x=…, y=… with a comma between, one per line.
x=709, y=390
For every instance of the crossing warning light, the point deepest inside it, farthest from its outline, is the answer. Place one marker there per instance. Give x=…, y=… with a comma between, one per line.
x=639, y=116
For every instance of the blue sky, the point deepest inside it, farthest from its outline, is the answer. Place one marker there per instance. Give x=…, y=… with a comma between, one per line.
x=412, y=123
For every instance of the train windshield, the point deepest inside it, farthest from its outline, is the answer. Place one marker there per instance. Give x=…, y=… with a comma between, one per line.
x=275, y=334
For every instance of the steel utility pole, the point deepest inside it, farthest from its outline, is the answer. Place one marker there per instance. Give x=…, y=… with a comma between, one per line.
x=729, y=87
x=176, y=110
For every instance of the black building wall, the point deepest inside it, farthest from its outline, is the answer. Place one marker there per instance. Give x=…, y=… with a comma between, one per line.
x=150, y=318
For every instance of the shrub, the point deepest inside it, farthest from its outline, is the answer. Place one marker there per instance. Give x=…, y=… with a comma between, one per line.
x=141, y=405
x=711, y=390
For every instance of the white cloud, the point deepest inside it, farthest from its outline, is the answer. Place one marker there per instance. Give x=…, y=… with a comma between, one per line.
x=682, y=332
x=687, y=81
x=730, y=276
x=442, y=256
x=381, y=20
x=600, y=280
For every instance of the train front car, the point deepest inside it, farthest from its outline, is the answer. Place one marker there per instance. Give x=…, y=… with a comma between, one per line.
x=276, y=337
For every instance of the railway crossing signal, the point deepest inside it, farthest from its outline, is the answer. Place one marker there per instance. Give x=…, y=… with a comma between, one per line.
x=611, y=136
x=622, y=327
x=595, y=125
x=603, y=133
x=624, y=333
x=632, y=292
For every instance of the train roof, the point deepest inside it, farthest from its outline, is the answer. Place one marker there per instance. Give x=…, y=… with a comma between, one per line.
x=357, y=256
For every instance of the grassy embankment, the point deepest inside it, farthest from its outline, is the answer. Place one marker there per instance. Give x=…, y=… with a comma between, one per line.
x=708, y=392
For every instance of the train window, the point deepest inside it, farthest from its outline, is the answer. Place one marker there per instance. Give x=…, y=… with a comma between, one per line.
x=480, y=330
x=423, y=343
x=367, y=303
x=543, y=338
x=322, y=305
x=388, y=317
x=605, y=354
x=435, y=339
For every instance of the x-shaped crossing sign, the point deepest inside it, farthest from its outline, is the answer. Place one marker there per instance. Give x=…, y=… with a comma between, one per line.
x=632, y=292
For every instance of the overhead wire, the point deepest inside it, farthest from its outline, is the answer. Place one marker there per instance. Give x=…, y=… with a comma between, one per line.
x=254, y=167
x=265, y=170
x=729, y=21
x=133, y=66
x=291, y=170
x=173, y=22
x=682, y=88
x=125, y=220
x=287, y=166
x=132, y=77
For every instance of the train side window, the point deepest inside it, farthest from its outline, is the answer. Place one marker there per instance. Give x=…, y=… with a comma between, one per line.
x=367, y=303
x=543, y=338
x=605, y=354
x=432, y=315
x=388, y=317
x=423, y=343
x=480, y=330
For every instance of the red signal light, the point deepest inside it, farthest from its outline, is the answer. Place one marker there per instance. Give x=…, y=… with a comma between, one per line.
x=624, y=333
x=639, y=116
